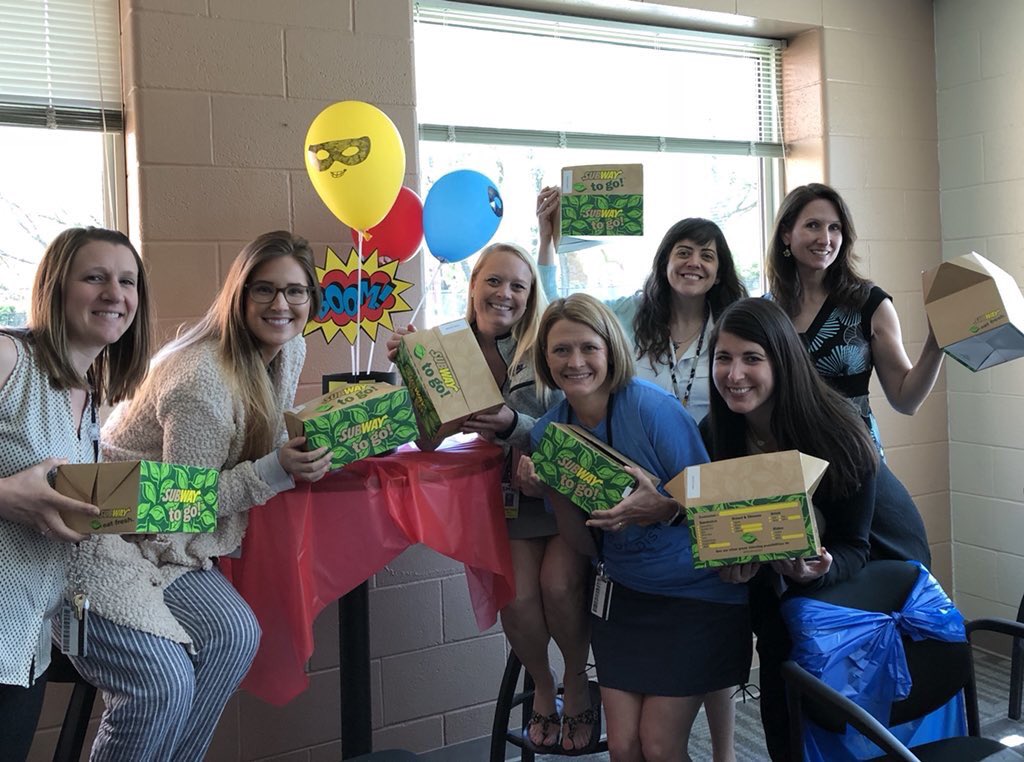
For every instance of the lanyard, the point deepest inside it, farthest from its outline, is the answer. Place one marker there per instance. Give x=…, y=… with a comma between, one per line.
x=685, y=399
x=608, y=426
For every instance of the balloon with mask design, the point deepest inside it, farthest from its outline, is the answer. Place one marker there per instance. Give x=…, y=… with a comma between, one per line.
x=399, y=235
x=461, y=214
x=356, y=161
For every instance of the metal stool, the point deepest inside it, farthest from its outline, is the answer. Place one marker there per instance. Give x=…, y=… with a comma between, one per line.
x=76, y=717
x=508, y=700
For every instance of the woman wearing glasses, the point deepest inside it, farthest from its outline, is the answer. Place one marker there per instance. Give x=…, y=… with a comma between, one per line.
x=170, y=639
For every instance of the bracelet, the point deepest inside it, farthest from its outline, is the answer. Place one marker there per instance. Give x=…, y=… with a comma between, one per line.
x=512, y=427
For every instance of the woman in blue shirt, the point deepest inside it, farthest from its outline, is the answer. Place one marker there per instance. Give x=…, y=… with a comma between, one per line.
x=661, y=608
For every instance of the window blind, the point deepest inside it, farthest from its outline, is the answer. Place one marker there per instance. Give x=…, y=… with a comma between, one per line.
x=60, y=64
x=764, y=138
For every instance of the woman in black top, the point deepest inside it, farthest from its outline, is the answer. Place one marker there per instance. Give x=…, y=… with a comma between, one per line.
x=766, y=396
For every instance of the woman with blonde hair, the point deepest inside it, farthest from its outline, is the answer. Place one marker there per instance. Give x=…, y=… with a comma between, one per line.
x=504, y=308
x=87, y=343
x=660, y=611
x=170, y=638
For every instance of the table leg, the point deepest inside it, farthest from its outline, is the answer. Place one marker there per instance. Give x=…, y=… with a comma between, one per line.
x=354, y=659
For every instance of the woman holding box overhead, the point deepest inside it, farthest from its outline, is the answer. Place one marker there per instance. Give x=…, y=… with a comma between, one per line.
x=657, y=612
x=692, y=279
x=87, y=342
x=170, y=639
x=767, y=397
x=504, y=309
x=848, y=324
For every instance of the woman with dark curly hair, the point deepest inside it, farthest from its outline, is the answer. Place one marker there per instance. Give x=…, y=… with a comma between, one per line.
x=692, y=279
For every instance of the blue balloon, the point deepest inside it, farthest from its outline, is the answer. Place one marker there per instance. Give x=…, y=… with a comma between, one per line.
x=461, y=214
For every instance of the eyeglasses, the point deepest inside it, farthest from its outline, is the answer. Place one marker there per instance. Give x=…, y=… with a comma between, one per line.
x=262, y=292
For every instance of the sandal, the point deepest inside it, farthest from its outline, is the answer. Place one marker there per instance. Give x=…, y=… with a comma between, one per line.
x=573, y=722
x=546, y=721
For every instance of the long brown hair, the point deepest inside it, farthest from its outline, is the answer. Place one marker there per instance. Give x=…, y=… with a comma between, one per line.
x=842, y=281
x=239, y=352
x=120, y=367
x=654, y=313
x=807, y=414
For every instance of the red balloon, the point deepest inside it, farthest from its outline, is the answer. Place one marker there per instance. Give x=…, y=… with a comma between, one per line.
x=400, y=233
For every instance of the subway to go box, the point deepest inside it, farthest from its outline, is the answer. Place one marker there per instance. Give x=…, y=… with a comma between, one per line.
x=583, y=468
x=756, y=508
x=447, y=377
x=976, y=311
x=141, y=497
x=355, y=421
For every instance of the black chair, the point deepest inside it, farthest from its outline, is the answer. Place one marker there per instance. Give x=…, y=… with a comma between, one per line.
x=79, y=711
x=939, y=671
x=1016, y=669
x=508, y=700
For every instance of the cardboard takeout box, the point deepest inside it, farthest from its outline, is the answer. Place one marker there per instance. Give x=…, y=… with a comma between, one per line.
x=447, y=377
x=756, y=508
x=141, y=497
x=976, y=311
x=603, y=200
x=355, y=421
x=583, y=468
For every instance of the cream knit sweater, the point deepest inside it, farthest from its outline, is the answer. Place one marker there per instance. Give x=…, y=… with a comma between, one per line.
x=186, y=413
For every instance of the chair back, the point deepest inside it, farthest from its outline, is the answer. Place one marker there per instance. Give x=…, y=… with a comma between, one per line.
x=939, y=670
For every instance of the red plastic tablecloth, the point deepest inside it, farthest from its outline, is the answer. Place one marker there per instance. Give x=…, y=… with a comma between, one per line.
x=309, y=546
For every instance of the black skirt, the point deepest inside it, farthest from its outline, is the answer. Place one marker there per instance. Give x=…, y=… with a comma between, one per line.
x=661, y=646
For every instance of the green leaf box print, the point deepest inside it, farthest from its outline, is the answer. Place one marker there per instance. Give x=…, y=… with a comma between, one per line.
x=142, y=497
x=761, y=529
x=586, y=471
x=356, y=421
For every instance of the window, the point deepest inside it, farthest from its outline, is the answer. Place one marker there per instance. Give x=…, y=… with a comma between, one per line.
x=518, y=95
x=60, y=131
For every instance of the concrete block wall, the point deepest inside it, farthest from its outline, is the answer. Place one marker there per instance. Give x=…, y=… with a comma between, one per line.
x=980, y=111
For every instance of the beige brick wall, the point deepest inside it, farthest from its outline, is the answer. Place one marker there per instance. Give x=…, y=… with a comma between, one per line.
x=219, y=94
x=980, y=108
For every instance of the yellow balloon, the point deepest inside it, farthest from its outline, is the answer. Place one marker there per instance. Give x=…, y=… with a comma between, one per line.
x=356, y=161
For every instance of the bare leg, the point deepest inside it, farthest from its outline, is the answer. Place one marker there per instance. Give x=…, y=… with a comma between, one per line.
x=721, y=711
x=563, y=576
x=527, y=631
x=665, y=724
x=622, y=712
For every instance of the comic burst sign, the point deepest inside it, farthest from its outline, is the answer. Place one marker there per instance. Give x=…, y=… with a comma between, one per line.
x=379, y=292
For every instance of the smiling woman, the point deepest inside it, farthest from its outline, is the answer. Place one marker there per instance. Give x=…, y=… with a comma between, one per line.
x=214, y=398
x=87, y=342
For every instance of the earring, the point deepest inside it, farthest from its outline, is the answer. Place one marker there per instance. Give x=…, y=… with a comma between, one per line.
x=786, y=252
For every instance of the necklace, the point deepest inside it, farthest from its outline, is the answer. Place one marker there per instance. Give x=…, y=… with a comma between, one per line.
x=685, y=398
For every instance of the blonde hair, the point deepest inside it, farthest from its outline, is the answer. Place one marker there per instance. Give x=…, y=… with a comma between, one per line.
x=238, y=350
x=525, y=330
x=120, y=366
x=586, y=310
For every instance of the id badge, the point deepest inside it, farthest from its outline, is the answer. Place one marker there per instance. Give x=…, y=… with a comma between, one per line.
x=510, y=484
x=601, y=602
x=510, y=499
x=74, y=626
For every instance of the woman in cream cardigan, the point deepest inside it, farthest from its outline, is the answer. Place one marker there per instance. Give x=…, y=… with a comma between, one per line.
x=170, y=639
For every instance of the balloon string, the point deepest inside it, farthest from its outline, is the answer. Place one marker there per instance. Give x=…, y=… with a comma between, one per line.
x=423, y=298
x=359, y=301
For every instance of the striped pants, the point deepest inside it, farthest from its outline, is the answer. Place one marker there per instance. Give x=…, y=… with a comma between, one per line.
x=162, y=703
